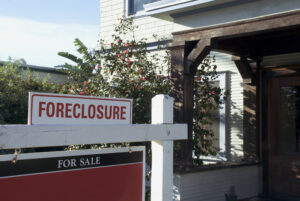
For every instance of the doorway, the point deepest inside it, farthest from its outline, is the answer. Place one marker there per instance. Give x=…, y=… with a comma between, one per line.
x=284, y=138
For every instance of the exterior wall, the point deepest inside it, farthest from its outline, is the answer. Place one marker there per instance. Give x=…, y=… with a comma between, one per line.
x=163, y=25
x=198, y=186
x=112, y=10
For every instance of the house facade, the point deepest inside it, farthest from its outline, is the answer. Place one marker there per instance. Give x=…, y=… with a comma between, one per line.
x=258, y=54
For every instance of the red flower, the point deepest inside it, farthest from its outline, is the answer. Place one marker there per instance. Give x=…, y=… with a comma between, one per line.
x=85, y=83
x=128, y=65
x=143, y=78
x=119, y=55
x=213, y=92
x=71, y=89
x=199, y=78
x=98, y=66
x=122, y=59
x=128, y=61
x=136, y=87
x=85, y=90
x=131, y=44
x=126, y=44
x=81, y=93
x=126, y=51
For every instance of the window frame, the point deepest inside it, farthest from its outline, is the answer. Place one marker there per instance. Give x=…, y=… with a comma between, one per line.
x=222, y=153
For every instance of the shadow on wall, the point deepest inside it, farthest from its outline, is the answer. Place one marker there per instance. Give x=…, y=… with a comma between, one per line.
x=247, y=132
x=243, y=121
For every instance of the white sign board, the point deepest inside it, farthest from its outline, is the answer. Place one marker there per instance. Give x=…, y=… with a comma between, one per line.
x=46, y=108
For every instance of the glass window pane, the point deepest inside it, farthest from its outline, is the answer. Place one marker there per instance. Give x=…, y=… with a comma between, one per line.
x=137, y=5
x=289, y=134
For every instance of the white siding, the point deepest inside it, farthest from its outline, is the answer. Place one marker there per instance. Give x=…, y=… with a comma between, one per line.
x=212, y=185
x=234, y=116
x=112, y=10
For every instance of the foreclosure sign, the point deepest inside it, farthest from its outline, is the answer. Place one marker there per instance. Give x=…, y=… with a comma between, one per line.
x=45, y=108
x=94, y=175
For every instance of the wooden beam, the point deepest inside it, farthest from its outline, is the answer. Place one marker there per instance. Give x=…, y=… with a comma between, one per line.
x=182, y=92
x=26, y=136
x=240, y=28
x=196, y=56
x=245, y=69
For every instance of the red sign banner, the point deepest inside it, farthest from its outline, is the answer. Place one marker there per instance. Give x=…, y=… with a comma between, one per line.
x=92, y=175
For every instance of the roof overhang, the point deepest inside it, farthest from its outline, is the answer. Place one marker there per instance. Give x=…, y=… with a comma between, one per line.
x=181, y=8
x=256, y=37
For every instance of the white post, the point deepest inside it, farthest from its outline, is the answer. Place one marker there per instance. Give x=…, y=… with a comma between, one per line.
x=162, y=151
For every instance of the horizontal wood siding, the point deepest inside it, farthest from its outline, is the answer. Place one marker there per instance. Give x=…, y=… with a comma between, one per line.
x=212, y=185
x=234, y=113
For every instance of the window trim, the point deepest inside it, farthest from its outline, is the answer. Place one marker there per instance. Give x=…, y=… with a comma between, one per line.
x=222, y=154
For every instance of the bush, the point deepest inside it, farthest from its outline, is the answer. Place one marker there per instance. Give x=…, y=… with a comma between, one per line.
x=15, y=83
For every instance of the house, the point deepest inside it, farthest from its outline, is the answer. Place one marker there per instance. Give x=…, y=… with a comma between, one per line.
x=53, y=75
x=257, y=50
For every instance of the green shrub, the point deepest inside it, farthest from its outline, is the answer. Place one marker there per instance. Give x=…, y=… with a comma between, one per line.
x=15, y=83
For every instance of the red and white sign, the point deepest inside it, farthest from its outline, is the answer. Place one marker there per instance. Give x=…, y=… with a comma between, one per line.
x=94, y=175
x=46, y=108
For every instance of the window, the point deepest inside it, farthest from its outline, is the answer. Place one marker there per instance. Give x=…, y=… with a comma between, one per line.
x=136, y=6
x=289, y=133
x=219, y=127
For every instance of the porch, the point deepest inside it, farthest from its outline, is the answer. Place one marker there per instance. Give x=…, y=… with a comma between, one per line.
x=249, y=42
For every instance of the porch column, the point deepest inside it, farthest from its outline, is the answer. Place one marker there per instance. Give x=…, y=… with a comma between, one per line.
x=182, y=92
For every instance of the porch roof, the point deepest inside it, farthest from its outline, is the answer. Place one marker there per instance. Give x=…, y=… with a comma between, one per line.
x=252, y=38
x=247, y=40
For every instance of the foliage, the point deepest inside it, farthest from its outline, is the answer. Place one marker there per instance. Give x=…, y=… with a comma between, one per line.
x=15, y=83
x=206, y=102
x=123, y=68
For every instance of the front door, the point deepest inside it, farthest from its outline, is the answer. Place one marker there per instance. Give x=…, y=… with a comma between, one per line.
x=284, y=138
